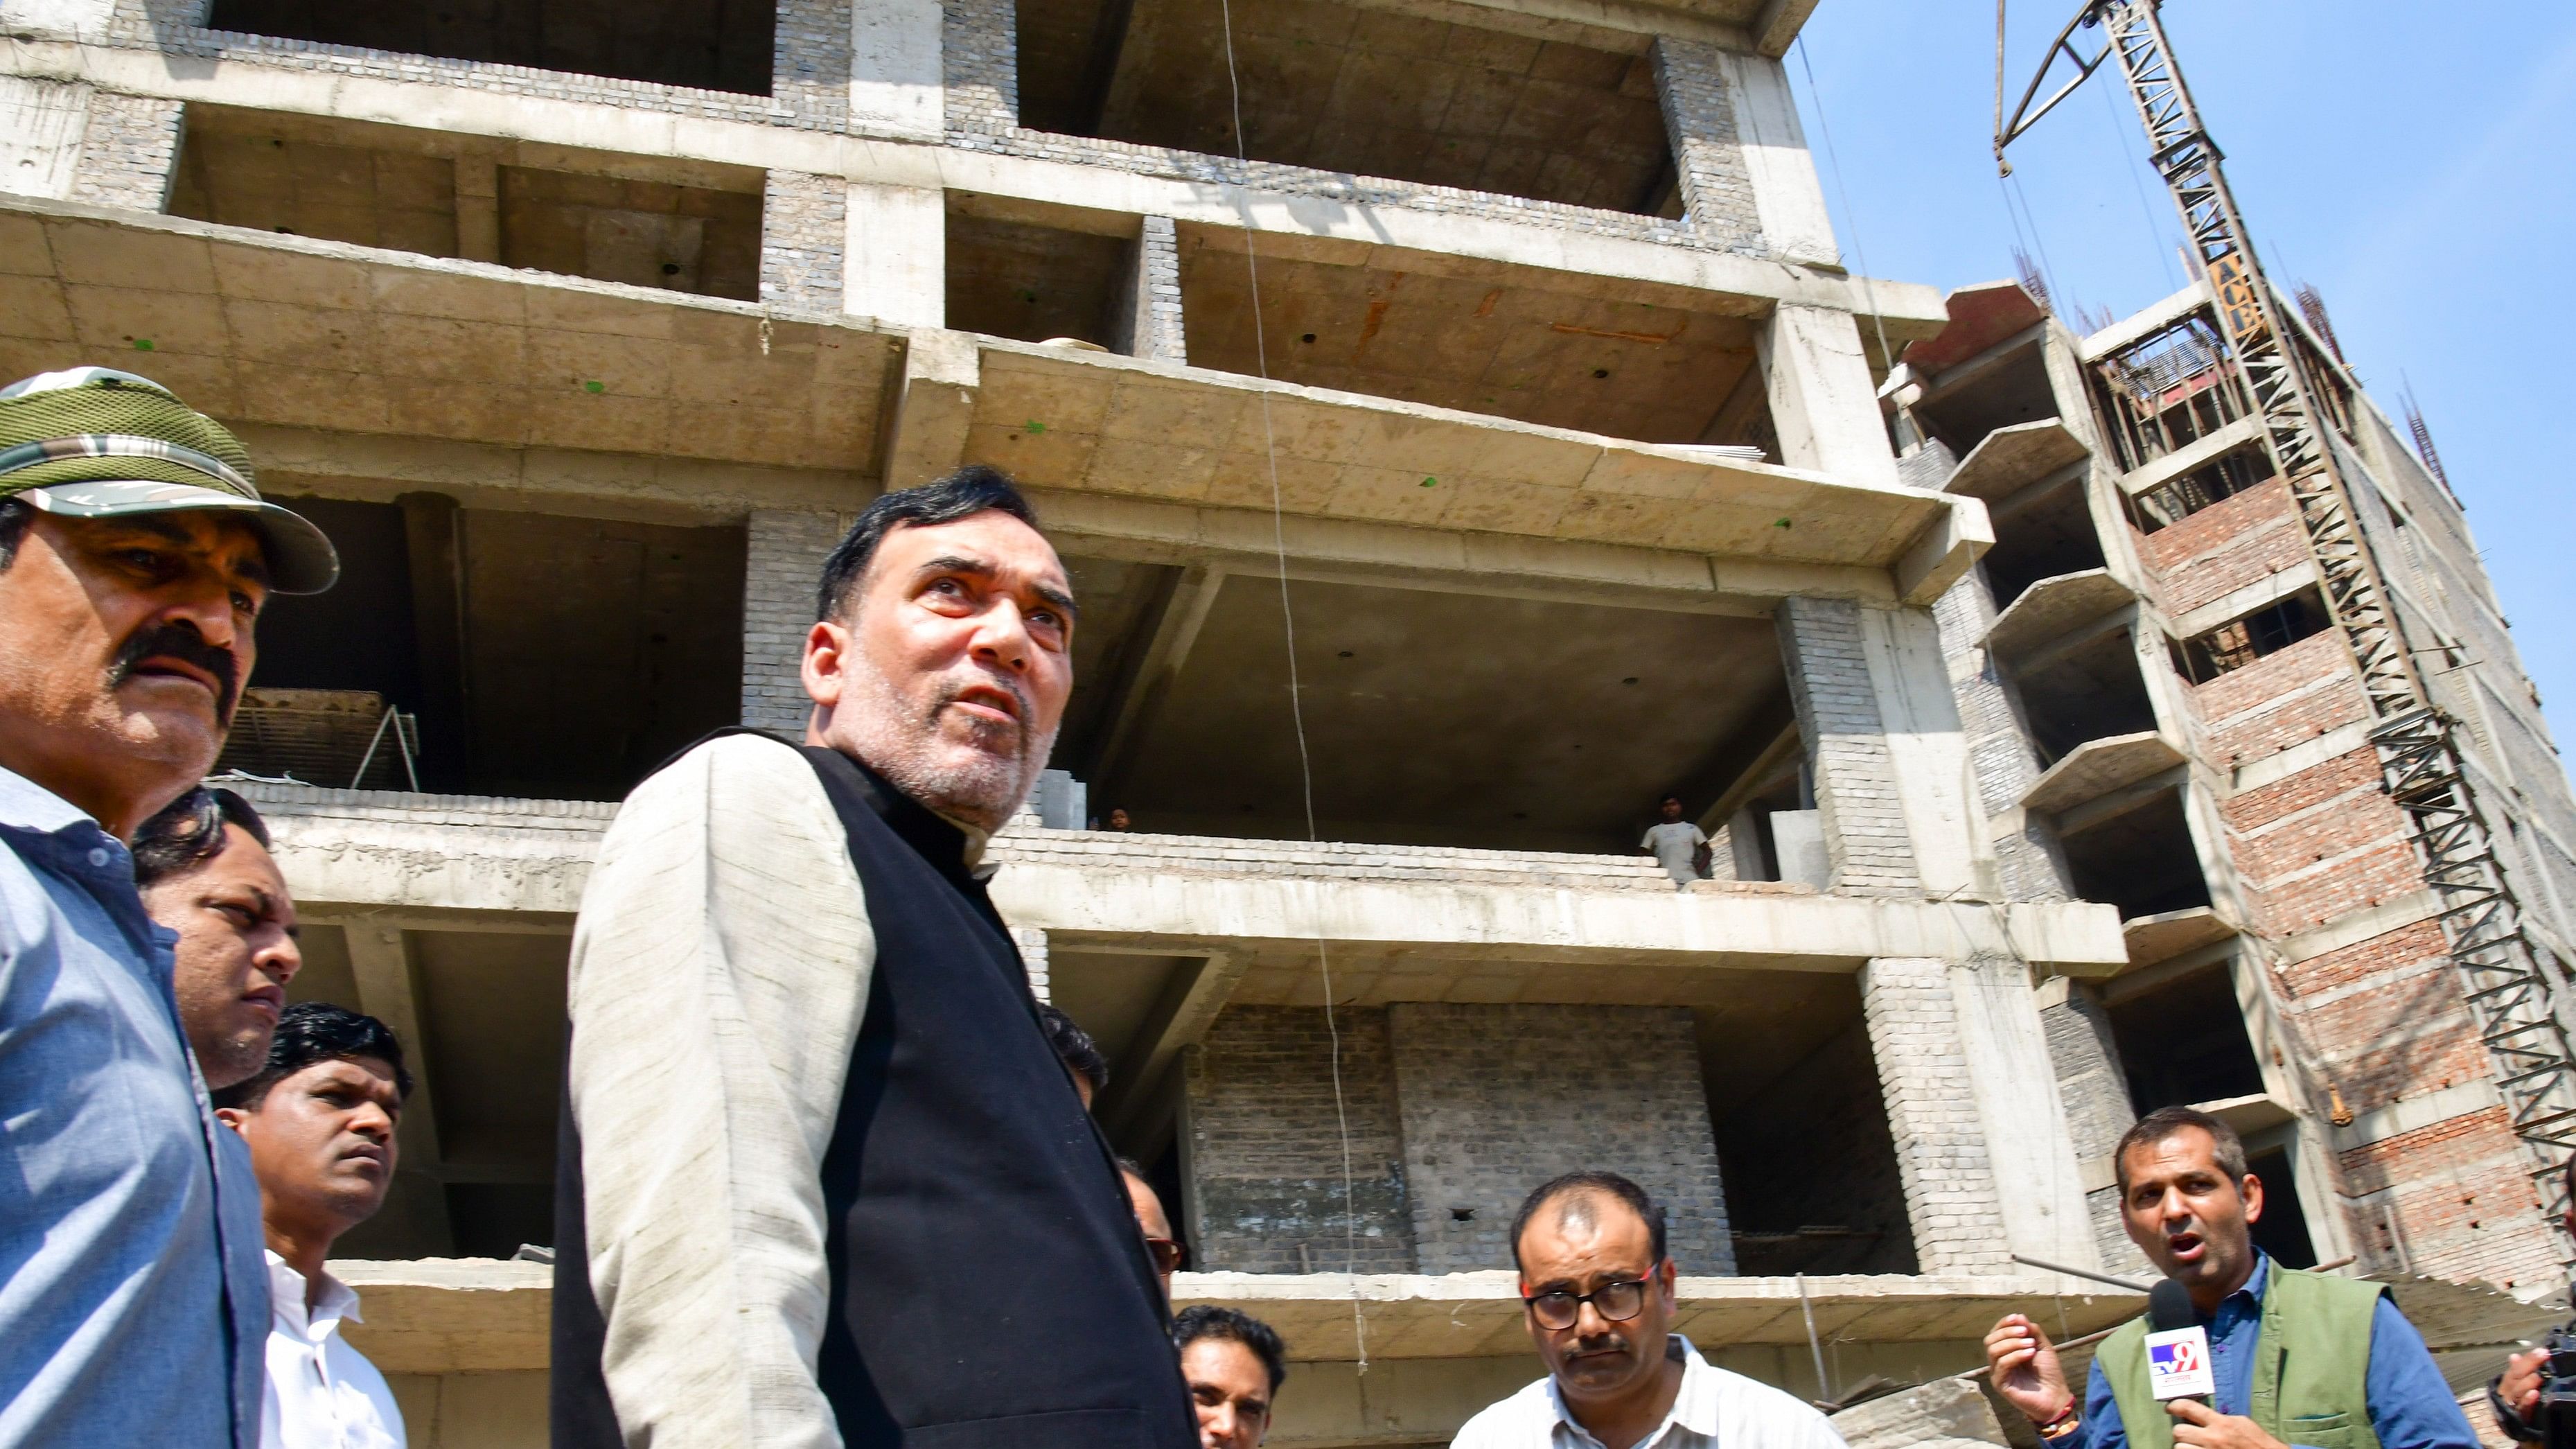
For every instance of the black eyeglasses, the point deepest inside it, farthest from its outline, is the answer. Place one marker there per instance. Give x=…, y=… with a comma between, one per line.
x=1618, y=1302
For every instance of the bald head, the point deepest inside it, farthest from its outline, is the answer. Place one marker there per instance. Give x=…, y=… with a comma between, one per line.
x=1584, y=1204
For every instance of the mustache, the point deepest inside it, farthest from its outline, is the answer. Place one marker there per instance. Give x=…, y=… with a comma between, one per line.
x=178, y=639
x=951, y=693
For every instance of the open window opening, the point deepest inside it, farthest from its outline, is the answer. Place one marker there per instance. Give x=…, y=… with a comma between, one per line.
x=2239, y=642
x=2043, y=532
x=1010, y=275
x=2138, y=856
x=1523, y=343
x=2182, y=1040
x=720, y=45
x=1812, y=1184
x=647, y=222
x=1361, y=90
x=2178, y=498
x=1975, y=398
x=476, y=1177
x=2168, y=390
x=2282, y=1231
x=1560, y=731
x=542, y=655
x=2091, y=690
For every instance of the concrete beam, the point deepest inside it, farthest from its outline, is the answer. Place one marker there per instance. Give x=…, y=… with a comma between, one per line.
x=1176, y=630
x=479, y=1315
x=1179, y=1020
x=1942, y=554
x=1909, y=310
x=934, y=407
x=1823, y=404
x=896, y=259
x=1778, y=23
x=522, y=864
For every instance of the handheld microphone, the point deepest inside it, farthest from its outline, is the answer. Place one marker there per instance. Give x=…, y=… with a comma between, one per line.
x=2178, y=1364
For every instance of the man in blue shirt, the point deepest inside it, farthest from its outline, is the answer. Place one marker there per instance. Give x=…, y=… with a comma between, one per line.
x=135, y=554
x=2188, y=1202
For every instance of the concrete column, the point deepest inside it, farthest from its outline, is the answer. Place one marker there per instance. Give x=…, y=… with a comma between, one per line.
x=1928, y=749
x=1786, y=195
x=1708, y=158
x=1866, y=836
x=129, y=152
x=41, y=126
x=1952, y=1199
x=1823, y=404
x=783, y=560
x=896, y=56
x=980, y=61
x=1496, y=1099
x=478, y=208
x=2095, y=1093
x=2004, y=1046
x=1145, y=319
x=896, y=267
x=804, y=223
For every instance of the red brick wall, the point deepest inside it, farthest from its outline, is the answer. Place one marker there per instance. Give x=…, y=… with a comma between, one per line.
x=2236, y=732
x=2463, y=1206
x=2224, y=547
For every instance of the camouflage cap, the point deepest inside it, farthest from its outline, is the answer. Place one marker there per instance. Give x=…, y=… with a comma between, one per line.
x=92, y=442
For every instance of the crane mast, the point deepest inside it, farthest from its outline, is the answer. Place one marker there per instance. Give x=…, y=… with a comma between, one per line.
x=2504, y=983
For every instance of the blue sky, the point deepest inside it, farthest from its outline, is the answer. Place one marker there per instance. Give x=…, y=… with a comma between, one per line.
x=2417, y=167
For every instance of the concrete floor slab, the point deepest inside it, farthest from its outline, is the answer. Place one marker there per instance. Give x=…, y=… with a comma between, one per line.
x=2013, y=458
x=2053, y=606
x=2098, y=767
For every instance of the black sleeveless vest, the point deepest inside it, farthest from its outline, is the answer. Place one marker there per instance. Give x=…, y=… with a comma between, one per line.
x=989, y=1287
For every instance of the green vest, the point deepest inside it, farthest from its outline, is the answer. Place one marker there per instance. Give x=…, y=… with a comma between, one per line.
x=2311, y=1366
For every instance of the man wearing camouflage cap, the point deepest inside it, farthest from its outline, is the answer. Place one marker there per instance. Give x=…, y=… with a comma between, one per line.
x=135, y=555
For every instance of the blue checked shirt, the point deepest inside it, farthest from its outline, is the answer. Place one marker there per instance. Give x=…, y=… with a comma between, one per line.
x=133, y=1291
x=2410, y=1405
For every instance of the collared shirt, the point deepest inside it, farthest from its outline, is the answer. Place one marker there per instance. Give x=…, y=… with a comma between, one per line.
x=322, y=1394
x=2410, y=1405
x=119, y=1322
x=1712, y=1407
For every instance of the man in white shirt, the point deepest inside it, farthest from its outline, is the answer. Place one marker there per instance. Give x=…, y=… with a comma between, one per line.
x=319, y=1118
x=1597, y=1290
x=1677, y=845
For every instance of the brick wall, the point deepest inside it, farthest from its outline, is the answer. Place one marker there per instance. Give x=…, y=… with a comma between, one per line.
x=2462, y=1205
x=1812, y=1149
x=1497, y=1099
x=1265, y=1144
x=2279, y=700
x=1951, y=1196
x=2233, y=542
x=1699, y=117
x=128, y=153
x=1223, y=855
x=803, y=235
x=1999, y=747
x=784, y=558
x=1856, y=789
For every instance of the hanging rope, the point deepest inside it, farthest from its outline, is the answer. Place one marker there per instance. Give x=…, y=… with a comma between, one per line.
x=1296, y=702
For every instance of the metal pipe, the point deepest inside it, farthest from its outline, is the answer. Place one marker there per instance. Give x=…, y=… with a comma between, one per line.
x=2130, y=1285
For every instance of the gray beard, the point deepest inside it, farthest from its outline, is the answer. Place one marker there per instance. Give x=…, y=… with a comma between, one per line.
x=905, y=749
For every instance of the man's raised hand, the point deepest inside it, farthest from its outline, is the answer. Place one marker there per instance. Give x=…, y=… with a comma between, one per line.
x=2026, y=1370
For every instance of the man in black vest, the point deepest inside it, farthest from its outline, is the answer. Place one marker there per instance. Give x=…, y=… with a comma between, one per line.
x=823, y=1181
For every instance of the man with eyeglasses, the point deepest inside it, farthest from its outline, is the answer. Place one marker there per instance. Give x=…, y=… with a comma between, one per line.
x=1169, y=1254
x=1597, y=1288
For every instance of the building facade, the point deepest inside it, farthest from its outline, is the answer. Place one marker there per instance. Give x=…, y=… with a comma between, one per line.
x=1501, y=346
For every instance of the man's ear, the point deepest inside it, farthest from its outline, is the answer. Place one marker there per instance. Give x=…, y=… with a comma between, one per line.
x=232, y=1117
x=1665, y=1277
x=826, y=661
x=2251, y=1189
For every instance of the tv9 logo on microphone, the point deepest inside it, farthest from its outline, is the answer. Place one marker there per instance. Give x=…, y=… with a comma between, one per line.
x=2178, y=1364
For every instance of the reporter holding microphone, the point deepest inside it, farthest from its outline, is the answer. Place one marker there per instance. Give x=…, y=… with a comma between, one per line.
x=2285, y=1358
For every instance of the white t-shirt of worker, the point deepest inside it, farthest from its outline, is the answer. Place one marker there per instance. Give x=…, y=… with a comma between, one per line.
x=322, y=1393
x=1676, y=847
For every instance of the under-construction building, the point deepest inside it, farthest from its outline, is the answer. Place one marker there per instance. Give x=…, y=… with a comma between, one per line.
x=1504, y=345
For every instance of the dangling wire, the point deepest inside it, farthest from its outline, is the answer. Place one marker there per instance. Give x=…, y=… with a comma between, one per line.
x=1296, y=704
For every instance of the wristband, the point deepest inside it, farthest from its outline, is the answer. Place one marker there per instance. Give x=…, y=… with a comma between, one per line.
x=2068, y=1420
